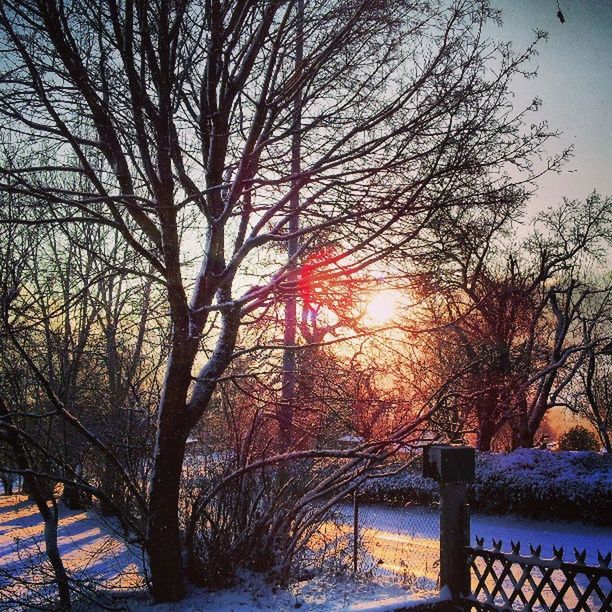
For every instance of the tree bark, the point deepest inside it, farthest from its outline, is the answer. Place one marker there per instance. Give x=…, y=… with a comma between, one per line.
x=163, y=539
x=113, y=487
x=522, y=436
x=74, y=496
x=50, y=516
x=485, y=437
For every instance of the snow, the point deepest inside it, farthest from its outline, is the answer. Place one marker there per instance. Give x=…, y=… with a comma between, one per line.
x=252, y=593
x=351, y=438
x=406, y=540
x=537, y=483
x=560, y=468
x=93, y=551
x=89, y=546
x=419, y=527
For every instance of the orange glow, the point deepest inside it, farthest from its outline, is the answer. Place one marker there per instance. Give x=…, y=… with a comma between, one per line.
x=381, y=308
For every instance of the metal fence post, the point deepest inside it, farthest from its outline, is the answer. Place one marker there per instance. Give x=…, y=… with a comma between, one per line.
x=454, y=468
x=355, y=528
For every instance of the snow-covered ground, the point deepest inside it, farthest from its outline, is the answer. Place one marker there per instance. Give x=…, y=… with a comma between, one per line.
x=399, y=546
x=251, y=593
x=419, y=526
x=404, y=541
x=93, y=552
x=90, y=548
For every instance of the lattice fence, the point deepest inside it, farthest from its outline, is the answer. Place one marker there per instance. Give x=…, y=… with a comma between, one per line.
x=514, y=581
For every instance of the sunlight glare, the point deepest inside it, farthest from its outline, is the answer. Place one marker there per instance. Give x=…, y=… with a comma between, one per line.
x=381, y=308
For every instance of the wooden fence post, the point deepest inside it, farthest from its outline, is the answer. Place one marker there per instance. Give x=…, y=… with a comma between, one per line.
x=453, y=467
x=454, y=537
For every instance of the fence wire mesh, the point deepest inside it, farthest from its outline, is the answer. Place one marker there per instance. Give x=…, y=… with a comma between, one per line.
x=401, y=543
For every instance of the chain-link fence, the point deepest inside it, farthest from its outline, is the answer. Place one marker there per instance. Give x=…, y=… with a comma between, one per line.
x=397, y=542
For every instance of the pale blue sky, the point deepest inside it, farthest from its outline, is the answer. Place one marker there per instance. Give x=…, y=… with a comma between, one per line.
x=575, y=84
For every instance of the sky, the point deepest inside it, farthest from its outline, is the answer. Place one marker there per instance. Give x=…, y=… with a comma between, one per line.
x=574, y=83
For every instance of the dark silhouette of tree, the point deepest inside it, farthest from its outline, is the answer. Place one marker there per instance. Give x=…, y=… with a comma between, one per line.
x=172, y=123
x=517, y=323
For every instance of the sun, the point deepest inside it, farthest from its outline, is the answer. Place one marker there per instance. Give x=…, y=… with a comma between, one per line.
x=381, y=308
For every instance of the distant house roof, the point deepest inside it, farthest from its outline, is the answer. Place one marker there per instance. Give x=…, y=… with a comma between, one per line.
x=351, y=438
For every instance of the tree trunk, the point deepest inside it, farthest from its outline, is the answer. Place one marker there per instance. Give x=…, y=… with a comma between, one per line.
x=605, y=438
x=486, y=432
x=42, y=494
x=113, y=488
x=7, y=483
x=522, y=436
x=175, y=422
x=74, y=496
x=163, y=542
x=50, y=517
x=285, y=416
x=25, y=488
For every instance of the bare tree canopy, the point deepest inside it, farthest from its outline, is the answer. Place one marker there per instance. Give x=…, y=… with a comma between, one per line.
x=171, y=122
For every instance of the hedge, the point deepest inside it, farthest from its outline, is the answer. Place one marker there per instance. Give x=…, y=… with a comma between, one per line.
x=538, y=484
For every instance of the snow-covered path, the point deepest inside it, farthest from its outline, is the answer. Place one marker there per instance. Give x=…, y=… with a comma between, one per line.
x=94, y=553
x=91, y=550
x=400, y=546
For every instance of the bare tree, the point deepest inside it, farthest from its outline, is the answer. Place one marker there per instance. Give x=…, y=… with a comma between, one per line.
x=177, y=118
x=521, y=325
x=74, y=368
x=598, y=388
x=594, y=389
x=43, y=496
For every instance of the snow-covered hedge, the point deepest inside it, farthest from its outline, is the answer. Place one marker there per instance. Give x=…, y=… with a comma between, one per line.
x=544, y=484
x=535, y=483
x=401, y=489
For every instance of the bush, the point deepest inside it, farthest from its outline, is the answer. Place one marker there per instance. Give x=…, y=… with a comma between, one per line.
x=578, y=438
x=542, y=484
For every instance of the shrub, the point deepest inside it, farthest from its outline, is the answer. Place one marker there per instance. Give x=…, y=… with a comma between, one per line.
x=578, y=438
x=535, y=483
x=544, y=485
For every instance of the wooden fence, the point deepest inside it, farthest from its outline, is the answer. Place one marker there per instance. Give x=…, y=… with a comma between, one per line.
x=498, y=581
x=504, y=581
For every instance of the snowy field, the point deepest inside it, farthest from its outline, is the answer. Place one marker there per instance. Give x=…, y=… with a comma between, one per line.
x=90, y=547
x=95, y=555
x=419, y=527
